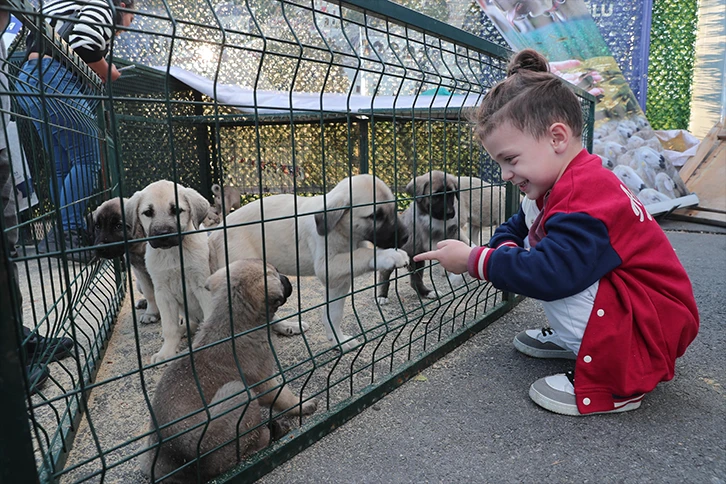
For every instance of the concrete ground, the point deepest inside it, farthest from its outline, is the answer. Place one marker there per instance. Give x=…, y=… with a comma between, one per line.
x=468, y=418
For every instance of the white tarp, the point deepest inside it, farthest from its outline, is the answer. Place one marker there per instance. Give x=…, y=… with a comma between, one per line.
x=279, y=102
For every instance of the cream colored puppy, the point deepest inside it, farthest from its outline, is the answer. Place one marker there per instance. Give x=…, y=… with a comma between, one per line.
x=157, y=208
x=330, y=240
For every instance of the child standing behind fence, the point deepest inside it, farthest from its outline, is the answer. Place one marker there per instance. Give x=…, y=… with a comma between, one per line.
x=60, y=105
x=617, y=298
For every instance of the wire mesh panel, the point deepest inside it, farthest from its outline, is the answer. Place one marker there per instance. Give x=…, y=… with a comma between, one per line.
x=278, y=165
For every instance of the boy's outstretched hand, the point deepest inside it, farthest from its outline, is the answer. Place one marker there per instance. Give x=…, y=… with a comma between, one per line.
x=453, y=255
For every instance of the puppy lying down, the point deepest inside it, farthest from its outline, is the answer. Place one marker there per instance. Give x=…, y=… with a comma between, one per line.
x=178, y=398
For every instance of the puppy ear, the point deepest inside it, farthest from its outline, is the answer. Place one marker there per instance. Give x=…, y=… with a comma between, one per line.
x=198, y=205
x=452, y=184
x=337, y=206
x=131, y=212
x=216, y=189
x=333, y=217
x=422, y=188
x=409, y=188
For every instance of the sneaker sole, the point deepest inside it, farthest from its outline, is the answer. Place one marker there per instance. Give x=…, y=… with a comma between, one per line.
x=571, y=410
x=542, y=353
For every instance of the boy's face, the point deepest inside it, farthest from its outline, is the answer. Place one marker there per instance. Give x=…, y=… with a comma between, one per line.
x=534, y=165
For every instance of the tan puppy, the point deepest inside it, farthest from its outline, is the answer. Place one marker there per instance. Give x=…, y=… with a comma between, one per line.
x=106, y=226
x=480, y=206
x=327, y=244
x=231, y=198
x=156, y=208
x=217, y=372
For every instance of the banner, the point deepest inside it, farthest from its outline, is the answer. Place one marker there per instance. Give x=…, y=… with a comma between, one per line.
x=566, y=34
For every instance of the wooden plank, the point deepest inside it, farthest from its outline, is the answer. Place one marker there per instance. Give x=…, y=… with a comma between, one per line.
x=701, y=153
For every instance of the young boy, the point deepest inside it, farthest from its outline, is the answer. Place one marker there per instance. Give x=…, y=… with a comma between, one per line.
x=617, y=298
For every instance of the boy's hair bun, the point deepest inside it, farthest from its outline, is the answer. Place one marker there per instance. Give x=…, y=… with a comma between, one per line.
x=527, y=60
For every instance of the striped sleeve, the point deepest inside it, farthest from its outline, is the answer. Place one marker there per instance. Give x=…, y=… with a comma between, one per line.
x=92, y=25
x=478, y=258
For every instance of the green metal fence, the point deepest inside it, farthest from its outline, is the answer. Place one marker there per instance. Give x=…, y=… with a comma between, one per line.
x=283, y=97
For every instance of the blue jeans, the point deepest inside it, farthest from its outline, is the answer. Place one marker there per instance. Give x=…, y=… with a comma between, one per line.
x=69, y=131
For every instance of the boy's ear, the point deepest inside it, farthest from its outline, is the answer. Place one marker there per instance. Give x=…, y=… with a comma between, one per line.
x=560, y=136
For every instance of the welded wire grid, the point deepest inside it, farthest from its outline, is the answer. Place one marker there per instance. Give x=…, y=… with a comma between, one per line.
x=159, y=128
x=57, y=298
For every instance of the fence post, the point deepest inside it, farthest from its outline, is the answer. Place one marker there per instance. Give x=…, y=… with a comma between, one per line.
x=363, y=161
x=17, y=463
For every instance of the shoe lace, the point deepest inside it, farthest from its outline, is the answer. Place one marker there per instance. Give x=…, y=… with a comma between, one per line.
x=571, y=376
x=547, y=331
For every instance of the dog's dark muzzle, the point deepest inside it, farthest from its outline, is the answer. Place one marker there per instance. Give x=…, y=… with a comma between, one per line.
x=172, y=239
x=286, y=286
x=390, y=236
x=110, y=252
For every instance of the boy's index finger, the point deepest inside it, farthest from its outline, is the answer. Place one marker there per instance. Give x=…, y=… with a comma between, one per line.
x=430, y=255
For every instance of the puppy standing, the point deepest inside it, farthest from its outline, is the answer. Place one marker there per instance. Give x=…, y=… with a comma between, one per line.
x=480, y=206
x=328, y=244
x=156, y=209
x=106, y=226
x=429, y=219
x=217, y=372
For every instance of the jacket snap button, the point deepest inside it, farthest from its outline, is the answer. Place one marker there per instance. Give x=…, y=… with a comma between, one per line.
x=600, y=313
x=586, y=401
x=587, y=359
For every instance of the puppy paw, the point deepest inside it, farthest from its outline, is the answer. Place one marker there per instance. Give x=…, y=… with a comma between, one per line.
x=309, y=407
x=290, y=328
x=141, y=303
x=162, y=355
x=279, y=427
x=347, y=343
x=389, y=259
x=382, y=300
x=149, y=318
x=430, y=295
x=456, y=280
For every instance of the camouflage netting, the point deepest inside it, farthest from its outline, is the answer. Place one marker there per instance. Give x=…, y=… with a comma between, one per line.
x=670, y=72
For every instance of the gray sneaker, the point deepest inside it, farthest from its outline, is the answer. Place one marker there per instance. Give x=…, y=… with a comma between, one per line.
x=556, y=393
x=542, y=343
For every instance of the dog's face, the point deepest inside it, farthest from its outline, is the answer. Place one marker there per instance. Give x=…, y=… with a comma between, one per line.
x=105, y=226
x=157, y=206
x=436, y=194
x=247, y=283
x=351, y=209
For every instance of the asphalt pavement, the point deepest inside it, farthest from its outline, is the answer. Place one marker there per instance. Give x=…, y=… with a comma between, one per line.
x=468, y=418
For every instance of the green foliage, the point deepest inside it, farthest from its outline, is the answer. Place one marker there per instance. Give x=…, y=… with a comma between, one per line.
x=670, y=69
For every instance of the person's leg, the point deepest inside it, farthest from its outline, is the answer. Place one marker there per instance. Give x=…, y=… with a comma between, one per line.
x=568, y=319
x=69, y=133
x=567, y=322
x=81, y=180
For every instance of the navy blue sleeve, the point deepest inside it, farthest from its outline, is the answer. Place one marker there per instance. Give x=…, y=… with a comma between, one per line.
x=514, y=229
x=574, y=254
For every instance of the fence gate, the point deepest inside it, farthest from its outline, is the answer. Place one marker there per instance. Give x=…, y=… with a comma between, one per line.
x=271, y=98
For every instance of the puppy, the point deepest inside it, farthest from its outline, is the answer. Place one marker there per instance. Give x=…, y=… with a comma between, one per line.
x=231, y=199
x=106, y=226
x=216, y=379
x=156, y=209
x=429, y=219
x=330, y=239
x=480, y=206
